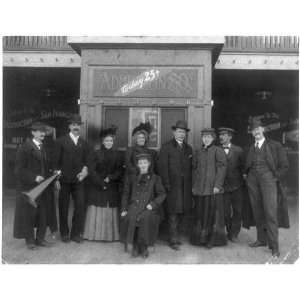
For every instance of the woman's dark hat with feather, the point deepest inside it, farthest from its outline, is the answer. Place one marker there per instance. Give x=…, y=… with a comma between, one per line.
x=143, y=127
x=109, y=131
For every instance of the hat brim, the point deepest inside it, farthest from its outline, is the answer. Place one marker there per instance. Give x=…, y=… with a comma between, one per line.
x=175, y=127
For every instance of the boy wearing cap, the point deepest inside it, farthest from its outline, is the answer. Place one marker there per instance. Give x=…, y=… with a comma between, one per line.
x=233, y=193
x=266, y=163
x=175, y=169
x=70, y=157
x=31, y=168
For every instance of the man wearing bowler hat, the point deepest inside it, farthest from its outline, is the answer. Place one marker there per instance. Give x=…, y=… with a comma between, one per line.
x=70, y=157
x=32, y=168
x=233, y=192
x=175, y=169
x=266, y=163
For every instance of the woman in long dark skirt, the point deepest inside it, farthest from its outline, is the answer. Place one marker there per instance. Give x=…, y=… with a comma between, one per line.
x=143, y=195
x=103, y=200
x=208, y=178
x=140, y=139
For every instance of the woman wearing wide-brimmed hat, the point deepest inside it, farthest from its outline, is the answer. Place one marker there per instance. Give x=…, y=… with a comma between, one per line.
x=140, y=139
x=209, y=163
x=105, y=172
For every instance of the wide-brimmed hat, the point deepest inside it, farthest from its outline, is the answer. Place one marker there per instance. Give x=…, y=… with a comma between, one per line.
x=75, y=119
x=226, y=130
x=256, y=123
x=109, y=131
x=181, y=124
x=38, y=126
x=145, y=128
x=208, y=131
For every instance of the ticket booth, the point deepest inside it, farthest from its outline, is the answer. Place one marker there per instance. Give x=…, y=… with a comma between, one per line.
x=127, y=80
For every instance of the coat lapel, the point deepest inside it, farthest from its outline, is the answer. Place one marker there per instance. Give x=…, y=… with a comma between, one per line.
x=35, y=150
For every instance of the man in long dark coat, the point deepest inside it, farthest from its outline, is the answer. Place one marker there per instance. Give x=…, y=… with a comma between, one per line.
x=233, y=184
x=70, y=158
x=175, y=169
x=266, y=163
x=31, y=168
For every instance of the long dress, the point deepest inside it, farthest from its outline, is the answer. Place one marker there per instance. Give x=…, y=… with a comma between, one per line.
x=103, y=199
x=209, y=172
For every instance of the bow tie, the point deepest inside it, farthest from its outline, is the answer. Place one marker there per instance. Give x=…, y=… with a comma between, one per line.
x=225, y=147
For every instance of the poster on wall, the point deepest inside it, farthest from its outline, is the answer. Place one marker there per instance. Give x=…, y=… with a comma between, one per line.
x=146, y=114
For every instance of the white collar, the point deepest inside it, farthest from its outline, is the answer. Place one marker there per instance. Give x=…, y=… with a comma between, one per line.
x=37, y=143
x=229, y=145
x=74, y=138
x=179, y=142
x=260, y=142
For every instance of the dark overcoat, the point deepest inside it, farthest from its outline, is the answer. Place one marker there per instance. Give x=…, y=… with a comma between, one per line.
x=209, y=169
x=139, y=191
x=69, y=158
x=235, y=167
x=104, y=163
x=31, y=162
x=278, y=163
x=131, y=158
x=175, y=169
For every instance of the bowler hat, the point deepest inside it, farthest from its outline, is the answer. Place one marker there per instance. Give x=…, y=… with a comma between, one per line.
x=181, y=124
x=38, y=126
x=110, y=131
x=75, y=119
x=256, y=123
x=226, y=130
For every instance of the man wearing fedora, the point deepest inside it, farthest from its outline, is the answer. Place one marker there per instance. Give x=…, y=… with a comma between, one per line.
x=175, y=169
x=266, y=163
x=31, y=168
x=233, y=191
x=70, y=157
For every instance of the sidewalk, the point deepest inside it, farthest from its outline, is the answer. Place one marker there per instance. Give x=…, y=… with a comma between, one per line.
x=14, y=251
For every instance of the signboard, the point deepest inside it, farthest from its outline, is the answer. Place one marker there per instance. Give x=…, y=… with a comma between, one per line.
x=152, y=82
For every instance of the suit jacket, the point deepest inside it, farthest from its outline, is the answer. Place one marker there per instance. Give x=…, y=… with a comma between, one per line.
x=235, y=167
x=70, y=158
x=175, y=169
x=278, y=163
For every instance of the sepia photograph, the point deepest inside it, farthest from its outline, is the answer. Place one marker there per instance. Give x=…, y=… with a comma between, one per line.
x=150, y=149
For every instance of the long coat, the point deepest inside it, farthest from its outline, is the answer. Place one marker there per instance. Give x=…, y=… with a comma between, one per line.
x=139, y=191
x=235, y=168
x=209, y=166
x=69, y=158
x=131, y=158
x=278, y=163
x=175, y=169
x=31, y=162
x=104, y=163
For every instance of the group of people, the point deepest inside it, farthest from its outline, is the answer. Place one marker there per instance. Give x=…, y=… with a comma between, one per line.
x=125, y=199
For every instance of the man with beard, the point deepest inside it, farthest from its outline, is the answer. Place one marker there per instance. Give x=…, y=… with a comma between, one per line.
x=233, y=191
x=175, y=169
x=70, y=157
x=266, y=163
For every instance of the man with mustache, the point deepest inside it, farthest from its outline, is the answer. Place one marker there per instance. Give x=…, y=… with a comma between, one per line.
x=266, y=163
x=70, y=157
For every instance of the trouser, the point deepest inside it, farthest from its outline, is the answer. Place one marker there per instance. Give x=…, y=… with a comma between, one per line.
x=173, y=222
x=39, y=221
x=262, y=188
x=233, y=211
x=77, y=192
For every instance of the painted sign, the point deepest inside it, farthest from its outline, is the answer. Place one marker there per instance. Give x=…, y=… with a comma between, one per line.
x=155, y=82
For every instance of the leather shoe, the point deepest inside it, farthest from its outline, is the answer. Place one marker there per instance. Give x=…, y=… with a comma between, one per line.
x=208, y=246
x=275, y=253
x=135, y=251
x=77, y=239
x=43, y=243
x=145, y=253
x=65, y=239
x=31, y=246
x=174, y=246
x=257, y=244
